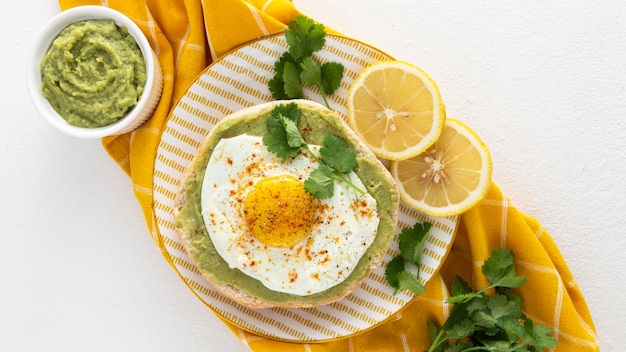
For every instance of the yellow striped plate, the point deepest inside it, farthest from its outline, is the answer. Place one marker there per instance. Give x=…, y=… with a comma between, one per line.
x=239, y=80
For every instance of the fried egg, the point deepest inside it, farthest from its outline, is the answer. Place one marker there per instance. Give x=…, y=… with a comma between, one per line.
x=263, y=222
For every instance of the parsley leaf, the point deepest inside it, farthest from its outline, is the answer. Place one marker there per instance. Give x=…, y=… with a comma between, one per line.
x=297, y=67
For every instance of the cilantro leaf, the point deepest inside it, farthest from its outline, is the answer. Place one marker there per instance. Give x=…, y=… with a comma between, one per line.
x=459, y=347
x=477, y=304
x=538, y=335
x=481, y=322
x=297, y=67
x=463, y=328
x=464, y=297
x=284, y=139
x=437, y=337
x=276, y=142
x=459, y=287
x=501, y=308
x=326, y=77
x=276, y=139
x=294, y=138
x=510, y=295
x=311, y=74
x=277, y=88
x=291, y=77
x=279, y=66
x=500, y=269
x=320, y=182
x=401, y=279
x=338, y=154
x=513, y=330
x=410, y=282
x=277, y=83
x=394, y=267
x=304, y=36
x=432, y=330
x=483, y=319
x=412, y=241
x=332, y=72
x=497, y=346
x=290, y=111
x=457, y=314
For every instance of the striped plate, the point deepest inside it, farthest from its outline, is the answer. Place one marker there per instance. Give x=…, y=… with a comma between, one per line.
x=237, y=81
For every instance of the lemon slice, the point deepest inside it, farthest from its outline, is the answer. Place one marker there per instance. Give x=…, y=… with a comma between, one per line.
x=396, y=109
x=450, y=177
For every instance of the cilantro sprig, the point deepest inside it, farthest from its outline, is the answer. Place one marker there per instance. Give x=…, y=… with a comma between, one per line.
x=284, y=139
x=411, y=243
x=297, y=67
x=480, y=322
x=477, y=322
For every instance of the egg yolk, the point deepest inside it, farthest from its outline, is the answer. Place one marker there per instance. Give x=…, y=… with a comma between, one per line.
x=279, y=212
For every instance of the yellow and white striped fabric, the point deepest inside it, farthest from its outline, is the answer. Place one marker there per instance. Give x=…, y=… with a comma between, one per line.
x=187, y=36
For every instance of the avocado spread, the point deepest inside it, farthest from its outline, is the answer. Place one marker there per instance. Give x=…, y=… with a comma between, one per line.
x=93, y=73
x=314, y=125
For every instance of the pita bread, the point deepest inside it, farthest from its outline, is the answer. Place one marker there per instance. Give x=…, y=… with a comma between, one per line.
x=248, y=297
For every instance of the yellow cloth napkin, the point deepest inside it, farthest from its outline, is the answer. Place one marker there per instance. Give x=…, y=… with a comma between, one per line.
x=187, y=35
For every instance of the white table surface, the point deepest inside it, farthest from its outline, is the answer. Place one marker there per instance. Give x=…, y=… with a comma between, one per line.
x=544, y=85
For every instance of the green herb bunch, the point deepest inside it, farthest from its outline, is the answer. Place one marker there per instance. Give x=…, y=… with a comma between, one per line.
x=284, y=139
x=477, y=322
x=481, y=322
x=297, y=67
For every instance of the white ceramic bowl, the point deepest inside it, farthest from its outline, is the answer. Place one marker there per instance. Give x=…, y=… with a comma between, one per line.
x=154, y=77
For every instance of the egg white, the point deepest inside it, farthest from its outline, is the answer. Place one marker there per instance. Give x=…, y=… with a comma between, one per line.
x=322, y=260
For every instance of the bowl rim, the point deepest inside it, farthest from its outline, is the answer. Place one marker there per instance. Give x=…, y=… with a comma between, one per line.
x=41, y=45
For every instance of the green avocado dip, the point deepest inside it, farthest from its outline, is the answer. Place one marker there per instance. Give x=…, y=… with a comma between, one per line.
x=93, y=73
x=314, y=125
